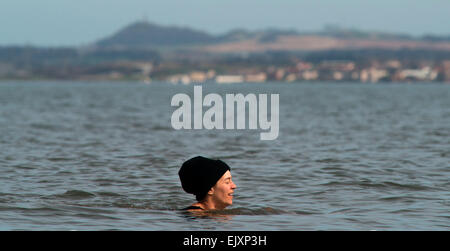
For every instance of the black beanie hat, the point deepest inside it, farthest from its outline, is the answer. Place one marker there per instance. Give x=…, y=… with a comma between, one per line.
x=199, y=174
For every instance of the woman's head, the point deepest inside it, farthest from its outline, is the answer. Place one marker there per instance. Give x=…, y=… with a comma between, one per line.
x=206, y=177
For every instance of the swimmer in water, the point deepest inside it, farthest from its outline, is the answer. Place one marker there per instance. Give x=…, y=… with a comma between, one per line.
x=210, y=181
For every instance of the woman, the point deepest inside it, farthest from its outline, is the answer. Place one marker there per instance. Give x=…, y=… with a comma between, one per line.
x=210, y=181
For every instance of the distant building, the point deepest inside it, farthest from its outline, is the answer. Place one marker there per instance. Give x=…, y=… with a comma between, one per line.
x=211, y=74
x=446, y=70
x=424, y=74
x=291, y=77
x=179, y=79
x=279, y=74
x=372, y=75
x=259, y=77
x=229, y=79
x=337, y=75
x=310, y=75
x=198, y=77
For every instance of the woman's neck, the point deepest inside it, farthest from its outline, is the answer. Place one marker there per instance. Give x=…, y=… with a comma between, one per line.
x=207, y=205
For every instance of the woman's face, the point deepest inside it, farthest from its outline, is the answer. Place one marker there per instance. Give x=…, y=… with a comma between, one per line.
x=223, y=191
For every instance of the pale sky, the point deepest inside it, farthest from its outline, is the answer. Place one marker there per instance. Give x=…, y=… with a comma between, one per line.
x=80, y=22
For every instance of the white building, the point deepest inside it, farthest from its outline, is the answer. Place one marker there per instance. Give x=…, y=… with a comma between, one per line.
x=229, y=79
x=420, y=74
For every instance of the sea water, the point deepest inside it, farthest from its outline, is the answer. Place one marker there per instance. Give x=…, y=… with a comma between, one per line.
x=104, y=156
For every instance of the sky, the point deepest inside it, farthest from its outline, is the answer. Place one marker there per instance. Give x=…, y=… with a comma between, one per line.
x=81, y=22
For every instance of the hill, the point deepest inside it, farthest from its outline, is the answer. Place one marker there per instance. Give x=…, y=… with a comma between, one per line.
x=148, y=35
x=144, y=35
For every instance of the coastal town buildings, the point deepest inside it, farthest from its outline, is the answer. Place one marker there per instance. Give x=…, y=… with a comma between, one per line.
x=336, y=71
x=368, y=71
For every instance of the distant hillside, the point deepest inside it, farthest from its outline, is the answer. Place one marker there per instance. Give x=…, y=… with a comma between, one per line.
x=144, y=34
x=268, y=35
x=148, y=35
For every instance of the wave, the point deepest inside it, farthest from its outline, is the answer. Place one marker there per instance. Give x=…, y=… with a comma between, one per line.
x=80, y=194
x=76, y=195
x=247, y=212
x=385, y=185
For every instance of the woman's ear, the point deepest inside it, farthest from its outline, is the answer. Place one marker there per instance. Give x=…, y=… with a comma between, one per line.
x=211, y=191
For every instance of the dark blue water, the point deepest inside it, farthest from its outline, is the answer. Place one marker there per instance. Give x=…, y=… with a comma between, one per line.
x=103, y=156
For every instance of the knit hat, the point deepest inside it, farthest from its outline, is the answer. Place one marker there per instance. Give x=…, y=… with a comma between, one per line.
x=199, y=174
